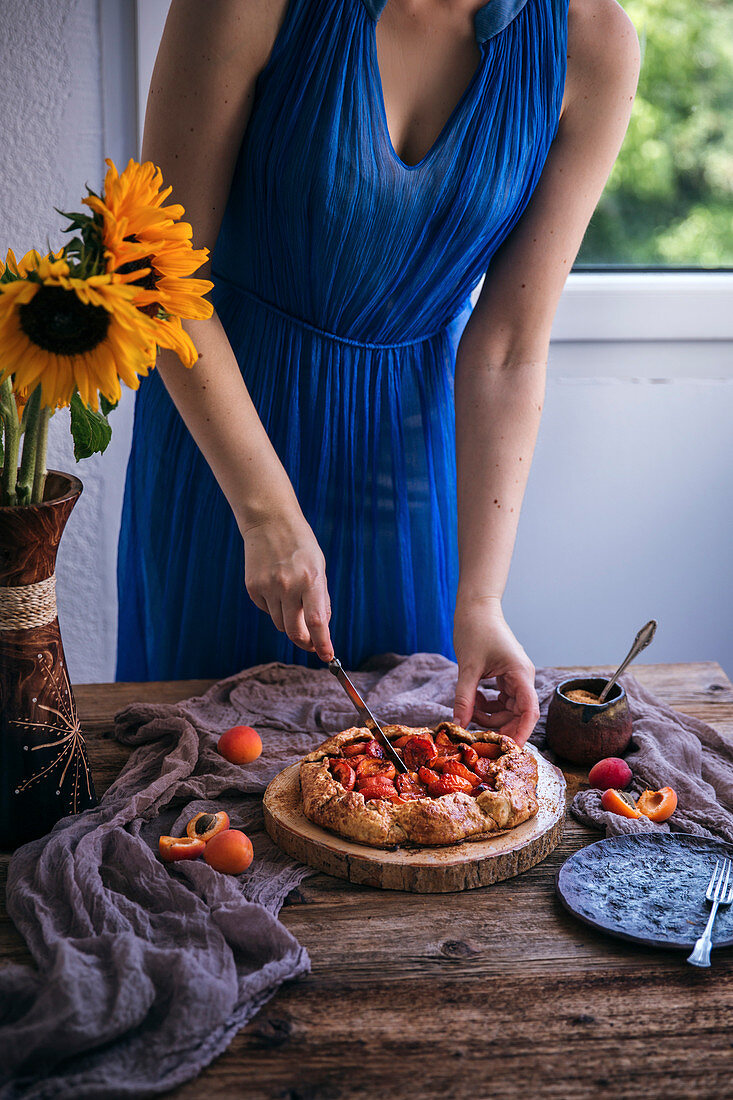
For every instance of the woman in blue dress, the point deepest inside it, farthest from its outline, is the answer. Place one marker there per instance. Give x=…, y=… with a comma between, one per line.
x=343, y=468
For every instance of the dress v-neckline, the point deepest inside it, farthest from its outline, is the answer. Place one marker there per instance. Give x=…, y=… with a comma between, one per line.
x=489, y=20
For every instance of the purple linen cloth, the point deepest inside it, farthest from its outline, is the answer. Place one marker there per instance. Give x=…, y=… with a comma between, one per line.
x=145, y=970
x=668, y=749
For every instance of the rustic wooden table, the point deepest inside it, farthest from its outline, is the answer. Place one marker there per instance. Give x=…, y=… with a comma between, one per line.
x=496, y=992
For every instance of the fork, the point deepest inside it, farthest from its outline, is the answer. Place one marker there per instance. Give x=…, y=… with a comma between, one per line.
x=719, y=893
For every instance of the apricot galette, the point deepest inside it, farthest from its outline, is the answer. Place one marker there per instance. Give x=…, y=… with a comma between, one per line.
x=461, y=785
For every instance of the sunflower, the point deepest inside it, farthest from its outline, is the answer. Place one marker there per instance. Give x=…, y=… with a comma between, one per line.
x=18, y=269
x=140, y=234
x=72, y=334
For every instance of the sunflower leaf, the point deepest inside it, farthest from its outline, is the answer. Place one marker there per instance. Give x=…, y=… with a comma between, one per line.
x=107, y=406
x=90, y=430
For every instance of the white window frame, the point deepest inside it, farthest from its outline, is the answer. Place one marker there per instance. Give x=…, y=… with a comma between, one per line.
x=595, y=306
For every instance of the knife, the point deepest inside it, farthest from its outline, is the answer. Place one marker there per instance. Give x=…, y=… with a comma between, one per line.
x=365, y=714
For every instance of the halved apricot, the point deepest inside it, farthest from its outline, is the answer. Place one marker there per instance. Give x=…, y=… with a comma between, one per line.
x=615, y=803
x=204, y=826
x=658, y=805
x=173, y=848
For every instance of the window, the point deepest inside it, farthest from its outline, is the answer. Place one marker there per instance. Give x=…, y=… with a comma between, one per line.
x=669, y=200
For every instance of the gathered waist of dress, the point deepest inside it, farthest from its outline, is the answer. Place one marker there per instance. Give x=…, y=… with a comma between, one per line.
x=324, y=333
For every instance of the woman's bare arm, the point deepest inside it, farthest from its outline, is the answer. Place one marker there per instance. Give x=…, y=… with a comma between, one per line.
x=198, y=107
x=501, y=360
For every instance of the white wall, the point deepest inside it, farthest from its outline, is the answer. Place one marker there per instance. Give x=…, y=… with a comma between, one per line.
x=627, y=515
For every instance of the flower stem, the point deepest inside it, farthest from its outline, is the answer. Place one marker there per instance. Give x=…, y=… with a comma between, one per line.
x=39, y=477
x=30, y=440
x=9, y=414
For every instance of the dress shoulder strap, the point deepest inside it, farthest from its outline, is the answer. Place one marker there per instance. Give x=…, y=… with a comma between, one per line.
x=493, y=17
x=489, y=20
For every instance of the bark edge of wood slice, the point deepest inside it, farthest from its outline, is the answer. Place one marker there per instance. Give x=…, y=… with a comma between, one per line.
x=423, y=870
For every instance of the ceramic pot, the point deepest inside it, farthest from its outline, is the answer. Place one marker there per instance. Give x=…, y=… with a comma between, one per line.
x=44, y=770
x=588, y=732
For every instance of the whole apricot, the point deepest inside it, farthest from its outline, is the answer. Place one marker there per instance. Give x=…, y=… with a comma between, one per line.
x=613, y=772
x=240, y=745
x=230, y=852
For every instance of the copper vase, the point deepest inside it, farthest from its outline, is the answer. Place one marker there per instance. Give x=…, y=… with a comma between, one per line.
x=44, y=769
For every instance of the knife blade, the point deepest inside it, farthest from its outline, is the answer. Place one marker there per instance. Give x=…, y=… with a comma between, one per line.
x=365, y=714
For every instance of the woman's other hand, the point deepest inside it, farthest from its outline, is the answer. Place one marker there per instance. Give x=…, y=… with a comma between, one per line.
x=285, y=575
x=485, y=646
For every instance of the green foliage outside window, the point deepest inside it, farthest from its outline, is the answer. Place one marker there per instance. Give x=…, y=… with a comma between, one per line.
x=669, y=200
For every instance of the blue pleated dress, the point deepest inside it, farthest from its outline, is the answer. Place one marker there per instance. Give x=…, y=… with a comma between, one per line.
x=343, y=279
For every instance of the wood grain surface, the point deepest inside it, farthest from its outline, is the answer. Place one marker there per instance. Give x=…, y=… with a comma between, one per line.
x=465, y=866
x=492, y=993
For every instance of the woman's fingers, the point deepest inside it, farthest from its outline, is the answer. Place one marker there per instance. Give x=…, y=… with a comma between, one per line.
x=528, y=709
x=490, y=706
x=273, y=607
x=316, y=614
x=285, y=577
x=493, y=721
x=465, y=698
x=294, y=623
x=305, y=618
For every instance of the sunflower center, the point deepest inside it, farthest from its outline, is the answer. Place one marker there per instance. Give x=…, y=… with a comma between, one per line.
x=56, y=320
x=147, y=281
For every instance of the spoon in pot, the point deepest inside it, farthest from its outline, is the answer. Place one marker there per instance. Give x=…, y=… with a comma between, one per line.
x=641, y=641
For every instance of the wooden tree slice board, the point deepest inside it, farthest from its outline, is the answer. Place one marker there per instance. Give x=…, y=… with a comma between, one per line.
x=420, y=870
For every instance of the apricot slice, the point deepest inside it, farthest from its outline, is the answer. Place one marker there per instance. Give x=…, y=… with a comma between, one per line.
x=356, y=748
x=470, y=757
x=370, y=767
x=173, y=848
x=419, y=752
x=400, y=742
x=410, y=785
x=230, y=852
x=450, y=784
x=453, y=767
x=485, y=769
x=343, y=772
x=204, y=826
x=374, y=750
x=488, y=749
x=240, y=745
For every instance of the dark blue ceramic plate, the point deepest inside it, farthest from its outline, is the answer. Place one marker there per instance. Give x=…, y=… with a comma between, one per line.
x=647, y=887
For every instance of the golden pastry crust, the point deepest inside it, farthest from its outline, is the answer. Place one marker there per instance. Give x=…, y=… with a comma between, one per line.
x=424, y=821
